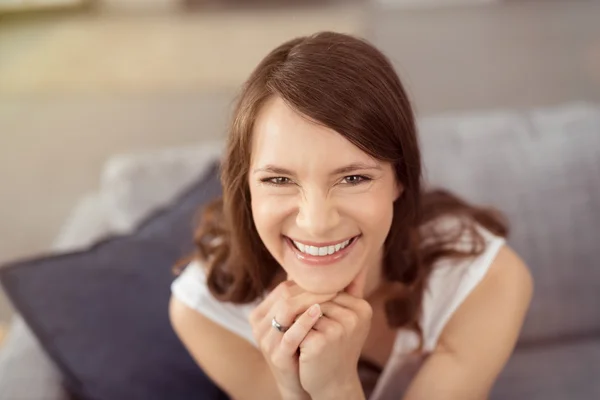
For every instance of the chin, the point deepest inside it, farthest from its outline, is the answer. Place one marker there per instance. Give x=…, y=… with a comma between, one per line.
x=318, y=285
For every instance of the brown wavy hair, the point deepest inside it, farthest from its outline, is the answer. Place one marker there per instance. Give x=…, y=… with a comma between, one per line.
x=345, y=84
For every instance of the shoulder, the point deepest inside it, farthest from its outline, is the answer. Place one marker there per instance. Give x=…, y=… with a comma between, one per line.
x=192, y=299
x=453, y=280
x=480, y=336
x=485, y=328
x=508, y=278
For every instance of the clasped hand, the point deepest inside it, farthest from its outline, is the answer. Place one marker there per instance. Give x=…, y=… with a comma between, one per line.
x=316, y=356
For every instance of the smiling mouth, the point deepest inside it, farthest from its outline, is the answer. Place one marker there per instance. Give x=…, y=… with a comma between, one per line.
x=322, y=251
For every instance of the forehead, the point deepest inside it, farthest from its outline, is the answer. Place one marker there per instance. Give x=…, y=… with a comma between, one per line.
x=284, y=137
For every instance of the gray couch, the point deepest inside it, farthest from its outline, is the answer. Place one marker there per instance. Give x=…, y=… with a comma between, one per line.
x=541, y=167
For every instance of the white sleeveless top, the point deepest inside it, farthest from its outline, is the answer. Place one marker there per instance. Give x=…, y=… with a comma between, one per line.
x=449, y=285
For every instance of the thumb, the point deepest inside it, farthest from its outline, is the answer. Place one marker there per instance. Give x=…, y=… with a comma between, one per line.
x=356, y=288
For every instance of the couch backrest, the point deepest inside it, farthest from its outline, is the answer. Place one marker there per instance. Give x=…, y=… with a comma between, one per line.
x=541, y=168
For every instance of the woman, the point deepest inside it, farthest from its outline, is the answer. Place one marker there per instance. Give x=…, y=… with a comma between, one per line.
x=326, y=271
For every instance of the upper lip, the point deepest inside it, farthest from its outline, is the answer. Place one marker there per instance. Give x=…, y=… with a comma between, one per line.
x=322, y=244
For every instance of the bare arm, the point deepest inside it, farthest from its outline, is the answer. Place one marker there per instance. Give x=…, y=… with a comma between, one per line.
x=230, y=361
x=479, y=338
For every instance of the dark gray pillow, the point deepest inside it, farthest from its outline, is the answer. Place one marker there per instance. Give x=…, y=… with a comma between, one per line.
x=102, y=314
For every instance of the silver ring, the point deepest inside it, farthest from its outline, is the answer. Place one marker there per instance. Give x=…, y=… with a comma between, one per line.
x=278, y=326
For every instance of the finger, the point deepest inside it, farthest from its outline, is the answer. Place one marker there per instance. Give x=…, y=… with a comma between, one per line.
x=359, y=306
x=287, y=301
x=356, y=288
x=336, y=311
x=348, y=318
x=264, y=310
x=346, y=300
x=330, y=327
x=284, y=290
x=297, y=332
x=287, y=310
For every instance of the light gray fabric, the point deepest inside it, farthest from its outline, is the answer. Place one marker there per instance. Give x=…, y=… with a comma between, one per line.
x=26, y=372
x=135, y=185
x=543, y=170
x=87, y=223
x=554, y=372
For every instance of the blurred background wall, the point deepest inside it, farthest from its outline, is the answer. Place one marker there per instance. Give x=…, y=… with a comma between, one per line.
x=87, y=81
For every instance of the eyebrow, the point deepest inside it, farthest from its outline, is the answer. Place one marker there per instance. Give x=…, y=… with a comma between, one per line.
x=347, y=169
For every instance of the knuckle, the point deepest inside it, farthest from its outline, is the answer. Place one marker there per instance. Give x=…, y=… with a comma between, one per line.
x=278, y=359
x=288, y=339
x=336, y=331
x=319, y=344
x=366, y=310
x=319, y=325
x=285, y=304
x=264, y=346
x=287, y=310
x=352, y=320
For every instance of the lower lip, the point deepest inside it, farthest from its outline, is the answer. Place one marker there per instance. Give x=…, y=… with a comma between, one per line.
x=321, y=260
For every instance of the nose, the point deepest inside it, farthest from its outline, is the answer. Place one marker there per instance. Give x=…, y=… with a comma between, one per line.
x=317, y=216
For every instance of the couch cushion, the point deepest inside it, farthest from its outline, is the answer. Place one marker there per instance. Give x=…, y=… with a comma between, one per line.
x=101, y=314
x=543, y=170
x=26, y=372
x=136, y=184
x=552, y=372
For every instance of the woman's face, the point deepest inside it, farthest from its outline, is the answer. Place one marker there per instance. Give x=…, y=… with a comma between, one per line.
x=322, y=206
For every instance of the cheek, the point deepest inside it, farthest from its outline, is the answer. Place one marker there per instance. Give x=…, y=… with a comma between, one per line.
x=373, y=214
x=269, y=216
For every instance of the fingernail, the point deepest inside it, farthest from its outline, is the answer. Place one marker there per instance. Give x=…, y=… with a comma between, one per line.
x=314, y=310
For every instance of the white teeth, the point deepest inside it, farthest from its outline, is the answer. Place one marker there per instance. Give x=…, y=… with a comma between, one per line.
x=312, y=250
x=321, y=251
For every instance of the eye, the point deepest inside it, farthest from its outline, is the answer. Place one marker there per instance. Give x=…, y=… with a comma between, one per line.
x=355, y=179
x=277, y=181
